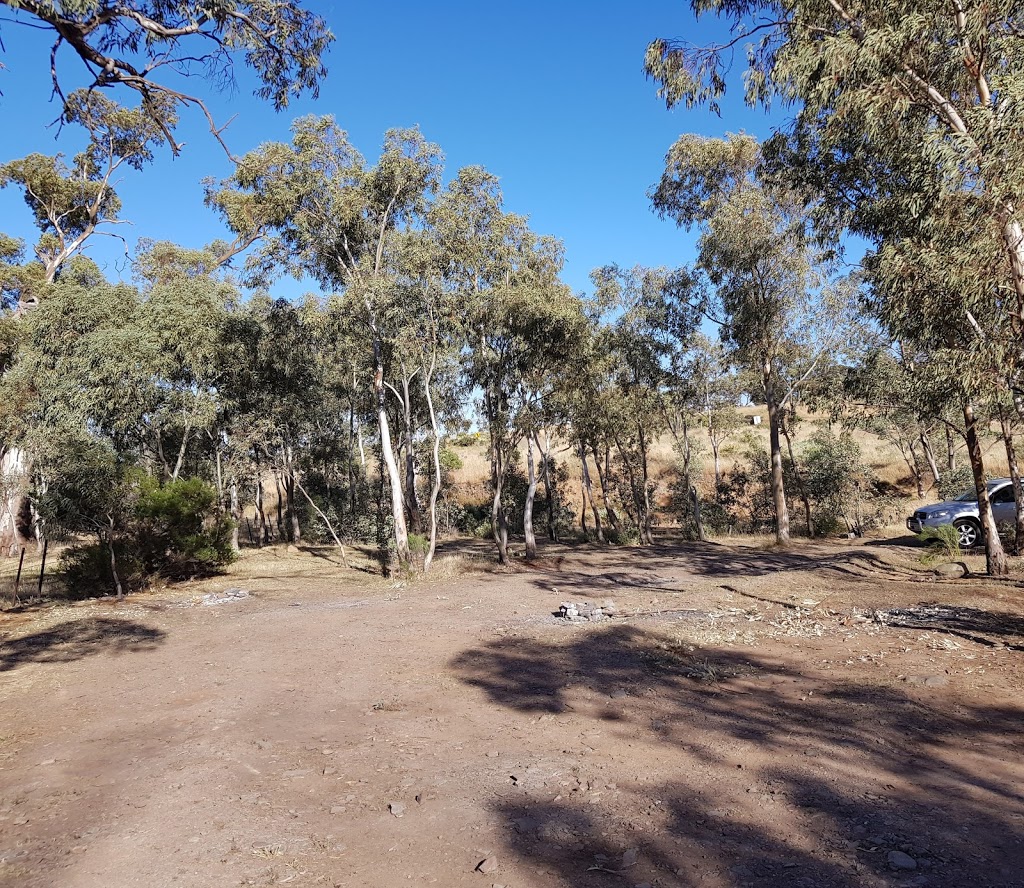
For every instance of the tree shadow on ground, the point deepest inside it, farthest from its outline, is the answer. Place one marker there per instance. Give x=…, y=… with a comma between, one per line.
x=837, y=783
x=970, y=623
x=77, y=639
x=662, y=568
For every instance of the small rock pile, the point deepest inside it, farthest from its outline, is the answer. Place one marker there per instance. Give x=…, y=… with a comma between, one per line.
x=586, y=611
x=228, y=595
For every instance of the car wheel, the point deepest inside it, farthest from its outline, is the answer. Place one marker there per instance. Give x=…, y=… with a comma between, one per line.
x=968, y=532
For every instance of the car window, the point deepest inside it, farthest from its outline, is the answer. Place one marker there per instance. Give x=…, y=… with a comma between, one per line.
x=968, y=496
x=1003, y=496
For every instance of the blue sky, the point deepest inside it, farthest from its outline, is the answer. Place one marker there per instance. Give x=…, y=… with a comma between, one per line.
x=550, y=97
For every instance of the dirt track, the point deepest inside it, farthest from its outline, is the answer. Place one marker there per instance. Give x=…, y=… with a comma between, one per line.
x=744, y=721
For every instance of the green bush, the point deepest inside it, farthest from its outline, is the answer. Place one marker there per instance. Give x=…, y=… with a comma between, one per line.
x=172, y=531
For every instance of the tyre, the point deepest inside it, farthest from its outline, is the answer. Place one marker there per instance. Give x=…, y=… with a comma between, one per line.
x=969, y=533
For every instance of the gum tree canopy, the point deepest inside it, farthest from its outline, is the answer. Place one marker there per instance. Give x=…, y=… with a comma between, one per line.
x=149, y=45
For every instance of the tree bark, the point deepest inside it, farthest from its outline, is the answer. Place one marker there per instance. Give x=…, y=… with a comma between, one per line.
x=236, y=513
x=804, y=498
x=603, y=477
x=14, y=473
x=929, y=455
x=264, y=527
x=1014, y=468
x=950, y=450
x=499, y=520
x=645, y=480
x=995, y=558
x=588, y=494
x=388, y=457
x=531, y=492
x=435, y=487
x=549, y=488
x=412, y=506
x=775, y=444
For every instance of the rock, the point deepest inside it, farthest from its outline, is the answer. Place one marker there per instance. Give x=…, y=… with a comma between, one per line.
x=338, y=809
x=293, y=549
x=396, y=808
x=327, y=772
x=619, y=694
x=928, y=681
x=952, y=570
x=487, y=865
x=609, y=607
x=630, y=857
x=900, y=861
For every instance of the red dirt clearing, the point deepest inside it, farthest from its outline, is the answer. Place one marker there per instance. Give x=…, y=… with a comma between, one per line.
x=748, y=718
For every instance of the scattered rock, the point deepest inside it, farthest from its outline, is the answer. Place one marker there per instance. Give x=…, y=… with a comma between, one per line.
x=487, y=865
x=228, y=595
x=928, y=681
x=396, y=808
x=900, y=861
x=609, y=607
x=952, y=570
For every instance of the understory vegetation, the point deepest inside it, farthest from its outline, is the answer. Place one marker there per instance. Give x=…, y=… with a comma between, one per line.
x=161, y=421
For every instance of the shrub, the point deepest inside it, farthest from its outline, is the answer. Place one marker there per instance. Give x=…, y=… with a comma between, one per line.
x=170, y=531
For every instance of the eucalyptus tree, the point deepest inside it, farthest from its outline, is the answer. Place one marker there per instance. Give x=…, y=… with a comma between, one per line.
x=146, y=47
x=761, y=278
x=906, y=126
x=315, y=207
x=71, y=203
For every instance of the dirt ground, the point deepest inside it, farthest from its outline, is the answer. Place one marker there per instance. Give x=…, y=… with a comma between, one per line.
x=828, y=716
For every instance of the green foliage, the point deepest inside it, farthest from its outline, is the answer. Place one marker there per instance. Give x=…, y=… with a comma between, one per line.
x=953, y=483
x=418, y=544
x=942, y=541
x=171, y=531
x=129, y=44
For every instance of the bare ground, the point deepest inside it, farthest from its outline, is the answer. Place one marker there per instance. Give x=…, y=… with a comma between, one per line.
x=819, y=717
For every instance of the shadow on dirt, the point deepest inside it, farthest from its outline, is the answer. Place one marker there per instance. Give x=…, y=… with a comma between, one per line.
x=838, y=783
x=663, y=568
x=970, y=623
x=77, y=639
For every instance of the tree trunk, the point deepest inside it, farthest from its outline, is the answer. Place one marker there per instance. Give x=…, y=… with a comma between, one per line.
x=280, y=506
x=113, y=562
x=950, y=450
x=261, y=515
x=412, y=506
x=435, y=487
x=915, y=469
x=804, y=498
x=696, y=513
x=549, y=487
x=236, y=513
x=645, y=479
x=14, y=474
x=715, y=445
x=531, y=492
x=775, y=444
x=634, y=491
x=499, y=520
x=995, y=558
x=603, y=477
x=388, y=458
x=1014, y=467
x=294, y=529
x=929, y=455
x=588, y=494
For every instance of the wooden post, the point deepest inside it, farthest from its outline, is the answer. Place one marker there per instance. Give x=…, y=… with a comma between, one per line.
x=42, y=568
x=17, y=579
